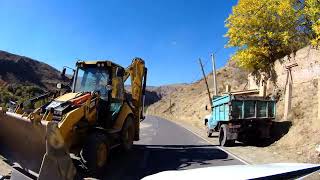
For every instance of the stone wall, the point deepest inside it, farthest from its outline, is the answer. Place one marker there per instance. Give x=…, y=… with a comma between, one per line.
x=308, y=60
x=305, y=85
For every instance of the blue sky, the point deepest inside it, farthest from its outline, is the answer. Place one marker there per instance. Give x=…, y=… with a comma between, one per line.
x=169, y=34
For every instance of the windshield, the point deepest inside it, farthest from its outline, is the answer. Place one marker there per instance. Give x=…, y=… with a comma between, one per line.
x=92, y=79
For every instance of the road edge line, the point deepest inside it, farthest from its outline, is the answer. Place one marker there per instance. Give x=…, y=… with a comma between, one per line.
x=219, y=147
x=226, y=151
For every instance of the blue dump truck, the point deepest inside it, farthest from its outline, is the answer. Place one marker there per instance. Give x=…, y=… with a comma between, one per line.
x=239, y=117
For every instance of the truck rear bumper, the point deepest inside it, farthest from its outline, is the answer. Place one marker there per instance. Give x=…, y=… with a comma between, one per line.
x=253, y=129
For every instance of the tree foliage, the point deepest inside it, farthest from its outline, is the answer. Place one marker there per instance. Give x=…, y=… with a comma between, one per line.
x=265, y=30
x=312, y=16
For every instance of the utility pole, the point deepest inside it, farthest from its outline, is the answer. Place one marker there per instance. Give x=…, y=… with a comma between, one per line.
x=318, y=120
x=288, y=90
x=214, y=75
x=205, y=80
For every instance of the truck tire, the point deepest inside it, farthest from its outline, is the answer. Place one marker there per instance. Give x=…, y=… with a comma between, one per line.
x=223, y=139
x=127, y=134
x=209, y=132
x=95, y=152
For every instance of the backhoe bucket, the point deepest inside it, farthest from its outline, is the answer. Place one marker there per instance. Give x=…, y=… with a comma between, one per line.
x=21, y=141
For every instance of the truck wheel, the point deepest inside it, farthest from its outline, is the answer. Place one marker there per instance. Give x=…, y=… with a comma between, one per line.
x=94, y=154
x=223, y=139
x=209, y=132
x=127, y=134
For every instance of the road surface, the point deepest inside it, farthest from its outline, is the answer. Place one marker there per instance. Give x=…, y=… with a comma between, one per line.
x=165, y=146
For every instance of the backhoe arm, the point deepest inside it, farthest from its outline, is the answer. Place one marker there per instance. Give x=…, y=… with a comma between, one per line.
x=138, y=74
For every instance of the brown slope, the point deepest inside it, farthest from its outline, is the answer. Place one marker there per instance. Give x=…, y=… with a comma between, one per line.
x=188, y=101
x=16, y=69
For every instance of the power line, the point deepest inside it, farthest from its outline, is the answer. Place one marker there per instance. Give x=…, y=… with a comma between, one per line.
x=241, y=28
x=222, y=47
x=196, y=78
x=255, y=13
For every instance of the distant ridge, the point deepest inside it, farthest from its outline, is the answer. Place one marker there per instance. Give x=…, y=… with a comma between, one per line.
x=16, y=69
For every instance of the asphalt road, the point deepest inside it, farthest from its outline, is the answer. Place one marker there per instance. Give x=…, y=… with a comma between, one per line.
x=165, y=146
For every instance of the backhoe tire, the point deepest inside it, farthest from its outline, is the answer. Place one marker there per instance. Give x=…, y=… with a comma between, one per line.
x=127, y=134
x=223, y=139
x=94, y=154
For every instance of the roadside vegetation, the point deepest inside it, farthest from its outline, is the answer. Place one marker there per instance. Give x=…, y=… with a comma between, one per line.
x=18, y=93
x=263, y=31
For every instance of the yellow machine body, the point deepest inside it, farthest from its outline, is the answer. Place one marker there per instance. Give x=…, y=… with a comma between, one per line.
x=33, y=139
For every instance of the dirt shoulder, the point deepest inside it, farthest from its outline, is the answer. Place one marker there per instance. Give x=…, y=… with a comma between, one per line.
x=5, y=169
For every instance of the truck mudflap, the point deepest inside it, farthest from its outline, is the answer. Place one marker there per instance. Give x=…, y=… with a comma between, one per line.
x=232, y=131
x=36, y=147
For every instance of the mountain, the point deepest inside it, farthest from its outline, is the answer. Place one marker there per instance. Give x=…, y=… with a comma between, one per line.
x=187, y=101
x=156, y=93
x=21, y=75
x=16, y=69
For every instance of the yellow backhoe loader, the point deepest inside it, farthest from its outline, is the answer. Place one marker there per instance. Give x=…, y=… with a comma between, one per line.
x=84, y=124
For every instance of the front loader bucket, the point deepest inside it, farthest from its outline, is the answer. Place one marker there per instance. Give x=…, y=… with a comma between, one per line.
x=38, y=148
x=21, y=141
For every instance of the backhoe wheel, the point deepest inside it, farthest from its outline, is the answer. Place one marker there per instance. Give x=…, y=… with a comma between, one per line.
x=127, y=134
x=223, y=139
x=95, y=152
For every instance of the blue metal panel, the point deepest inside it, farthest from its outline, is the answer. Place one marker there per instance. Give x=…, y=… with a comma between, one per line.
x=216, y=114
x=220, y=110
x=226, y=112
x=221, y=100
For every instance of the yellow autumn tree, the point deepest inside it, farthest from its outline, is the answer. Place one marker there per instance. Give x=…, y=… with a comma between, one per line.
x=263, y=31
x=312, y=15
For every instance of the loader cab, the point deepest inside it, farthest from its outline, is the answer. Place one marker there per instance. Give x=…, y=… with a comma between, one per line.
x=106, y=79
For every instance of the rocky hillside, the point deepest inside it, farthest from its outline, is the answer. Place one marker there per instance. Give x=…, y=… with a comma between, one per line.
x=188, y=101
x=22, y=78
x=155, y=94
x=16, y=69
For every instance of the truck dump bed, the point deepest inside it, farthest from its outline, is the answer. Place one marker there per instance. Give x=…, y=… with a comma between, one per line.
x=232, y=107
